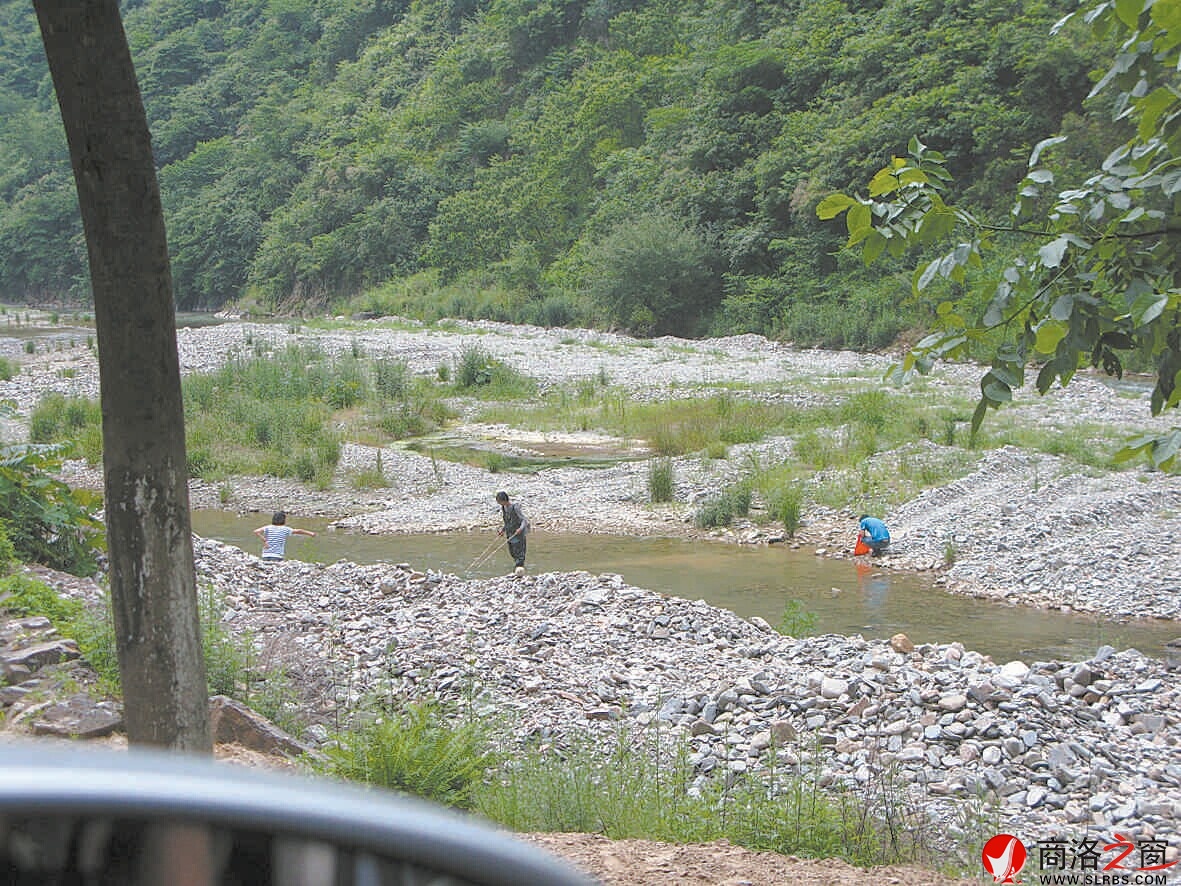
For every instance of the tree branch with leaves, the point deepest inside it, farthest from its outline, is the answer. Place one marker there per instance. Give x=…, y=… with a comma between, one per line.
x=1098, y=279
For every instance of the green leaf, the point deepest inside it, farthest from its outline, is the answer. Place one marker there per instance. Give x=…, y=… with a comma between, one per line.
x=912, y=176
x=926, y=275
x=1049, y=333
x=1045, y=378
x=1148, y=307
x=1129, y=12
x=1171, y=183
x=885, y=182
x=1151, y=107
x=1165, y=448
x=1135, y=447
x=978, y=415
x=1042, y=145
x=936, y=224
x=995, y=390
x=874, y=244
x=858, y=219
x=1062, y=308
x=1051, y=254
x=833, y=205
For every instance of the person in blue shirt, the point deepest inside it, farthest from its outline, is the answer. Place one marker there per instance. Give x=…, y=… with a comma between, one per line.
x=875, y=534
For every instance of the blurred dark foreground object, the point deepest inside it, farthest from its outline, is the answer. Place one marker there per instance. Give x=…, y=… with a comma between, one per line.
x=85, y=817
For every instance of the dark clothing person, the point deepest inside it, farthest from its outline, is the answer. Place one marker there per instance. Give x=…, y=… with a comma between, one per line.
x=514, y=531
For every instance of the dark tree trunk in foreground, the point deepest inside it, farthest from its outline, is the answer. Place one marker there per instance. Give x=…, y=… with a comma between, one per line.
x=153, y=584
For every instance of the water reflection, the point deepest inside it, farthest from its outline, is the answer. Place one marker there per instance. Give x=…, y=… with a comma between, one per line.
x=845, y=597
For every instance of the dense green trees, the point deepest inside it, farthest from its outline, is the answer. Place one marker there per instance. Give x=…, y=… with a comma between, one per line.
x=312, y=149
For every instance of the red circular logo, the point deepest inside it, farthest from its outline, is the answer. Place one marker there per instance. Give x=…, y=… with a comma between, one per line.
x=1003, y=856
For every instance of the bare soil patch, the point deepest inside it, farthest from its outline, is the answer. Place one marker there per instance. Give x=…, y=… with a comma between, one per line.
x=721, y=863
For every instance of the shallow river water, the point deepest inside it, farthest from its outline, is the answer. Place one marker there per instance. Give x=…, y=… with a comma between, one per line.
x=837, y=596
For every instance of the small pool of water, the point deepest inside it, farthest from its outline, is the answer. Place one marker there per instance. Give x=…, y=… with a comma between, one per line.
x=840, y=595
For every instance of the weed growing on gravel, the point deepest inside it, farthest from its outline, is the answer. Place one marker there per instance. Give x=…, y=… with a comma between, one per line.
x=479, y=373
x=721, y=509
x=797, y=621
x=787, y=505
x=660, y=480
x=646, y=789
x=417, y=748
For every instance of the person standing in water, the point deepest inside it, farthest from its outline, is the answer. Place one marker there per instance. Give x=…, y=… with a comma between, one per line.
x=274, y=537
x=514, y=530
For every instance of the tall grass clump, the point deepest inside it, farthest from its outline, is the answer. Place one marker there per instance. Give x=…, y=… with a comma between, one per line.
x=787, y=504
x=8, y=369
x=796, y=621
x=721, y=509
x=478, y=372
x=660, y=480
x=417, y=748
x=644, y=790
x=60, y=419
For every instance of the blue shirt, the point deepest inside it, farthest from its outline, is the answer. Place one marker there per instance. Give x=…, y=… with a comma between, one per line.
x=876, y=528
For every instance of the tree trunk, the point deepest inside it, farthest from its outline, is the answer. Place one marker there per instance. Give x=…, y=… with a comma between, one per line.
x=153, y=583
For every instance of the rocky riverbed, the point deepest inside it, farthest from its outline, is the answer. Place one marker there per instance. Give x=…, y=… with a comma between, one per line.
x=1063, y=748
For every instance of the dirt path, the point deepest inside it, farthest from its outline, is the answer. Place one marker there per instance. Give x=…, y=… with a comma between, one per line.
x=648, y=863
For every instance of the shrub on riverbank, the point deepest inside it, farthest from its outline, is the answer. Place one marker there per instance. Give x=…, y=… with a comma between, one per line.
x=47, y=521
x=479, y=373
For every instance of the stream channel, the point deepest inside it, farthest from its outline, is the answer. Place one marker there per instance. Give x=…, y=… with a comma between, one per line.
x=770, y=581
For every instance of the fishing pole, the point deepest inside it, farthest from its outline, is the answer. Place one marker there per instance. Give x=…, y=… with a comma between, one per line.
x=484, y=555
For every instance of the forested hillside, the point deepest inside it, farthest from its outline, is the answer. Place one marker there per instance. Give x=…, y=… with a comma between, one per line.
x=649, y=164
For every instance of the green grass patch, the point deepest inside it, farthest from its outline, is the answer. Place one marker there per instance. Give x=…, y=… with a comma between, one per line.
x=286, y=414
x=647, y=788
x=478, y=373
x=90, y=626
x=416, y=748
x=74, y=421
